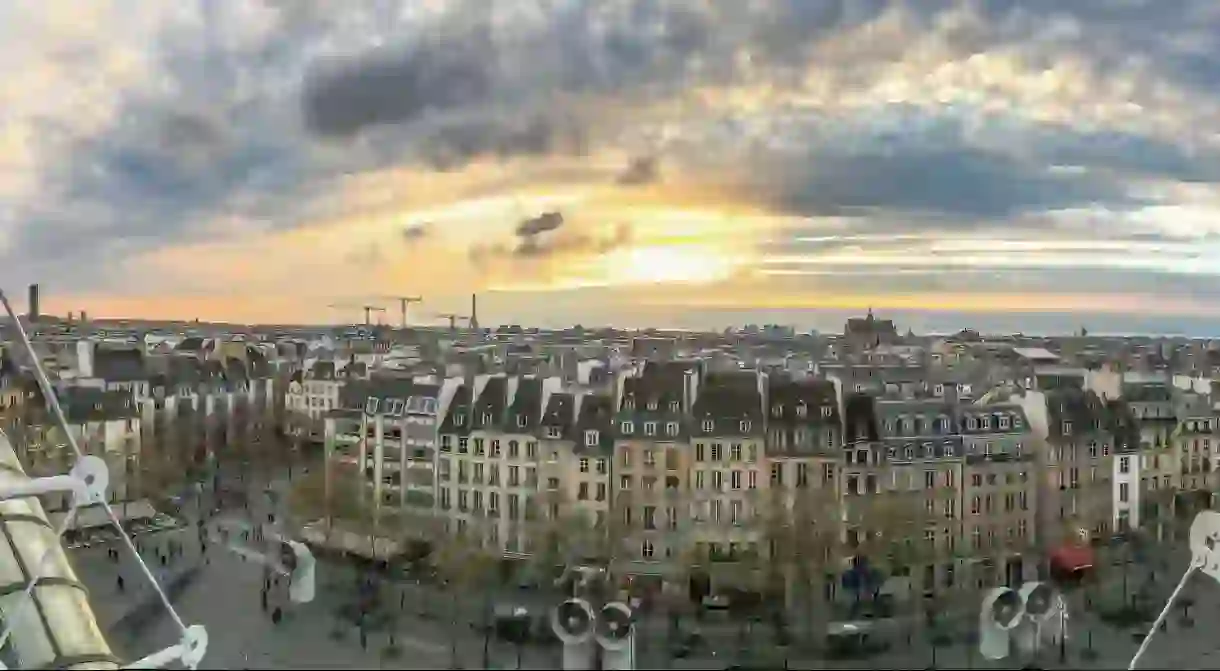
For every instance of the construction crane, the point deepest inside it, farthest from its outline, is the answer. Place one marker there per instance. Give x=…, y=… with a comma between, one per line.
x=368, y=310
x=453, y=318
x=403, y=302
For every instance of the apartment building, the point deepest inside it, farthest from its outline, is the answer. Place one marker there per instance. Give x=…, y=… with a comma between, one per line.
x=1081, y=493
x=730, y=479
x=489, y=463
x=803, y=451
x=312, y=392
x=380, y=454
x=907, y=485
x=577, y=445
x=999, y=497
x=1190, y=475
x=651, y=442
x=104, y=424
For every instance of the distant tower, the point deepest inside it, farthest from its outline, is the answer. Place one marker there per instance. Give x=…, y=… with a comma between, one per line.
x=474, y=312
x=34, y=312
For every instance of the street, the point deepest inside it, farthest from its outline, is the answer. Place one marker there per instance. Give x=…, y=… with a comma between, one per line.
x=432, y=628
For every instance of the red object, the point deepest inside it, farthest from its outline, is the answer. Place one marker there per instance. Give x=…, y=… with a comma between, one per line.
x=1072, y=558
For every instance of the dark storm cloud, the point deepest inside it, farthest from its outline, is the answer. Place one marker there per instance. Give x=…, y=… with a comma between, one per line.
x=547, y=221
x=640, y=171
x=416, y=232
x=959, y=184
x=379, y=88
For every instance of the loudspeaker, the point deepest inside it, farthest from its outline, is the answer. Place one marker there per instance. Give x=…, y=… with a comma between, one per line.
x=1002, y=611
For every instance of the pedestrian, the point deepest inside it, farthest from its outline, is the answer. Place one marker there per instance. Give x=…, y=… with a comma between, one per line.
x=119, y=582
x=264, y=600
x=277, y=615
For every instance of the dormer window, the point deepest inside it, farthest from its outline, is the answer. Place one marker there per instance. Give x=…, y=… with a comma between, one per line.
x=1067, y=428
x=370, y=405
x=591, y=438
x=522, y=420
x=744, y=426
x=629, y=404
x=650, y=428
x=459, y=419
x=486, y=418
x=708, y=426
x=986, y=422
x=938, y=390
x=552, y=432
x=673, y=406
x=826, y=411
x=777, y=411
x=802, y=411
x=1003, y=421
x=671, y=428
x=628, y=428
x=972, y=423
x=652, y=404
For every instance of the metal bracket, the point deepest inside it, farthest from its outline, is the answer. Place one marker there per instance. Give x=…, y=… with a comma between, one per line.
x=87, y=481
x=189, y=650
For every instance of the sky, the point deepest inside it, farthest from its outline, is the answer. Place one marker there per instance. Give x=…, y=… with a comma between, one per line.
x=638, y=162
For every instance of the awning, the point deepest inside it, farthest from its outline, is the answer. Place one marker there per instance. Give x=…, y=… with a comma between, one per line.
x=1072, y=558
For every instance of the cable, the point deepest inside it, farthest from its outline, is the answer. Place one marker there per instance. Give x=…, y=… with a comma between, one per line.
x=1161, y=618
x=52, y=402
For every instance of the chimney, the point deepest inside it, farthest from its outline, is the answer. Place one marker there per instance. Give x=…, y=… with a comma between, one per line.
x=34, y=314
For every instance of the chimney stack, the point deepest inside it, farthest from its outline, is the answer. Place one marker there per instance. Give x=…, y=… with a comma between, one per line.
x=34, y=314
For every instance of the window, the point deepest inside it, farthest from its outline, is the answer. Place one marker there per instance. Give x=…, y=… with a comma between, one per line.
x=582, y=492
x=708, y=426
x=735, y=452
x=495, y=449
x=514, y=449
x=522, y=420
x=584, y=465
x=1067, y=428
x=646, y=548
x=650, y=428
x=716, y=451
x=801, y=410
x=753, y=479
x=1124, y=465
x=745, y=426
x=591, y=438
x=735, y=479
x=628, y=428
x=650, y=458
x=699, y=452
x=1003, y=419
x=1122, y=492
x=602, y=466
x=929, y=479
x=552, y=432
x=671, y=428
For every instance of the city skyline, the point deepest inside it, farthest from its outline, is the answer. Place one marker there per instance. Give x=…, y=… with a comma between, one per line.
x=990, y=162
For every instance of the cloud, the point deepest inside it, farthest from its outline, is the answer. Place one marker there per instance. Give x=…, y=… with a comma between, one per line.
x=998, y=120
x=641, y=170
